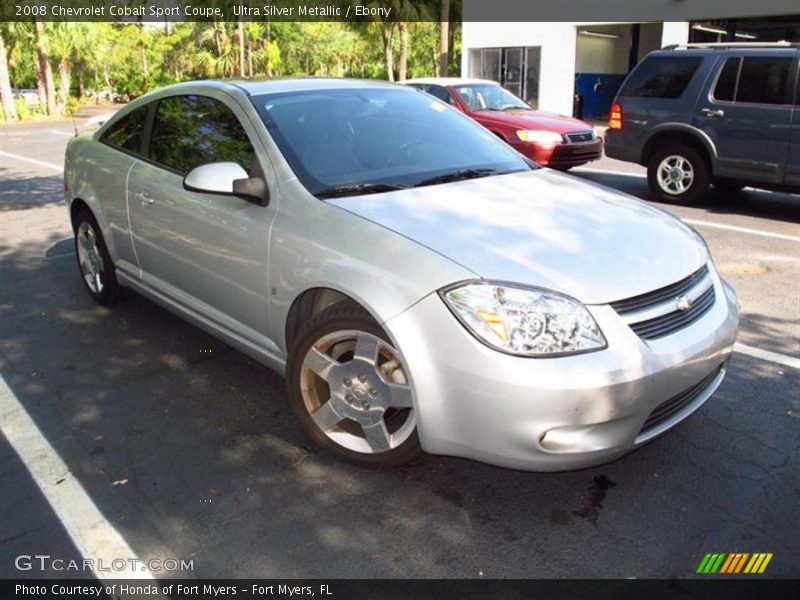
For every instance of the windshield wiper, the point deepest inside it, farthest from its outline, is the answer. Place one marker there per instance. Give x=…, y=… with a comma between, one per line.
x=459, y=176
x=359, y=189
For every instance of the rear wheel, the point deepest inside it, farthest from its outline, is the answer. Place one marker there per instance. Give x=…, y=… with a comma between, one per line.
x=350, y=391
x=678, y=173
x=97, y=269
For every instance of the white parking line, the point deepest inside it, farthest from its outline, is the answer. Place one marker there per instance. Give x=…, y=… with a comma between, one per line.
x=781, y=359
x=93, y=535
x=607, y=172
x=737, y=229
x=33, y=161
x=65, y=133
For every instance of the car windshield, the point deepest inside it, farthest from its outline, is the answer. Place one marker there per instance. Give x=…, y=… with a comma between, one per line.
x=487, y=96
x=376, y=139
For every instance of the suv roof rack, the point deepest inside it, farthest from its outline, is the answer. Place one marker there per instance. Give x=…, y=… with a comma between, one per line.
x=726, y=45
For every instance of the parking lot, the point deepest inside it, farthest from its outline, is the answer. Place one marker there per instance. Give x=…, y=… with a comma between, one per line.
x=173, y=445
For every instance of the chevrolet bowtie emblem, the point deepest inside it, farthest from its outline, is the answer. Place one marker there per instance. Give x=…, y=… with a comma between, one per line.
x=684, y=303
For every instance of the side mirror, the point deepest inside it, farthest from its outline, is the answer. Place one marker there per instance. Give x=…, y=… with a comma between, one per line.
x=229, y=179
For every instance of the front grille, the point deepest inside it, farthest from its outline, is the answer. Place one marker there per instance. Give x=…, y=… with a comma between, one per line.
x=666, y=409
x=660, y=295
x=581, y=137
x=666, y=324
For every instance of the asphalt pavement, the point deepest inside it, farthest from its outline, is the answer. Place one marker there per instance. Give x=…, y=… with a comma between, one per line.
x=180, y=447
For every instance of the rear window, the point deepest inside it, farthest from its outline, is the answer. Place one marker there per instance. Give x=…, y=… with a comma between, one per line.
x=661, y=77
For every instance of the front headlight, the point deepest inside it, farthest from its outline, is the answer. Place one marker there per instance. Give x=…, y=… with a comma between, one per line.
x=525, y=321
x=540, y=137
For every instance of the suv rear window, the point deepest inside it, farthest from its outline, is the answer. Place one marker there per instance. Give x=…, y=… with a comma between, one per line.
x=661, y=77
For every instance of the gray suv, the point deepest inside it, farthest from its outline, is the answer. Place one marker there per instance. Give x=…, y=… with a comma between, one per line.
x=721, y=114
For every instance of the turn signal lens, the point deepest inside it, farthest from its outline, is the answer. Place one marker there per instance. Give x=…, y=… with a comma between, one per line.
x=615, y=120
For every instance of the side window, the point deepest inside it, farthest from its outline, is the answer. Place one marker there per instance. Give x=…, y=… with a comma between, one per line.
x=190, y=131
x=441, y=93
x=661, y=77
x=725, y=90
x=127, y=133
x=764, y=80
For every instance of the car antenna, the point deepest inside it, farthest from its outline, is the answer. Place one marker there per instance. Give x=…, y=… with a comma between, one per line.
x=75, y=126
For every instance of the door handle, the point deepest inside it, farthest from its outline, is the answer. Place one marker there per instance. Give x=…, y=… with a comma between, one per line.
x=713, y=113
x=146, y=199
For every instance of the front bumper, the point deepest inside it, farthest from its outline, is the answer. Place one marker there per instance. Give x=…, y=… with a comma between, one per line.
x=562, y=155
x=559, y=413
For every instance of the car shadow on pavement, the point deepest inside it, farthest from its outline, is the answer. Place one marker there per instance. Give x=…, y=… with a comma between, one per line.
x=215, y=468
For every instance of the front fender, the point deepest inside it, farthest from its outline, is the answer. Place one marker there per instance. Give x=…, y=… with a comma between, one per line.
x=318, y=245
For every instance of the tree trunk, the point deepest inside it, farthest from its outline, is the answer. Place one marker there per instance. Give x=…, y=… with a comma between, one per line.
x=444, y=37
x=388, y=50
x=64, y=79
x=81, y=83
x=145, y=65
x=45, y=70
x=268, y=37
x=240, y=35
x=250, y=58
x=6, y=97
x=402, y=68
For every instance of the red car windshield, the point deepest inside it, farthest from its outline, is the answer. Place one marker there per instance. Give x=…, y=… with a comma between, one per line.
x=485, y=96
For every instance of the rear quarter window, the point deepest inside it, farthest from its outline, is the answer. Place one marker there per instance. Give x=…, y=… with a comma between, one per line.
x=661, y=77
x=127, y=134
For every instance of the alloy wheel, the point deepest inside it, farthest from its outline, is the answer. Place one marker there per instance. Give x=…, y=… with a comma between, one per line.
x=355, y=388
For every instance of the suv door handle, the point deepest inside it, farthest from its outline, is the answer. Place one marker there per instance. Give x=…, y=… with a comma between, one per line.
x=710, y=112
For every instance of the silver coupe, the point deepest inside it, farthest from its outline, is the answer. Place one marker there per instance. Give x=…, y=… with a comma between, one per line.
x=420, y=284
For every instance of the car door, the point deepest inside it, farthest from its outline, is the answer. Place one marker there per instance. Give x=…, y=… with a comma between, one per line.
x=793, y=161
x=121, y=143
x=747, y=114
x=207, y=252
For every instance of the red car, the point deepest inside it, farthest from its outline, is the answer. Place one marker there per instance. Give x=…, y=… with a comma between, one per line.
x=549, y=139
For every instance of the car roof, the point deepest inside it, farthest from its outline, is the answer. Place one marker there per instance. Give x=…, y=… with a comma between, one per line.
x=448, y=81
x=275, y=86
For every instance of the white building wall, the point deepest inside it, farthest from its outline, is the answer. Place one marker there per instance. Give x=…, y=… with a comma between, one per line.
x=675, y=33
x=558, y=42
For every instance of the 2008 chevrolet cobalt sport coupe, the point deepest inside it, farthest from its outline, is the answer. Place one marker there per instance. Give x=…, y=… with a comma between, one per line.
x=420, y=284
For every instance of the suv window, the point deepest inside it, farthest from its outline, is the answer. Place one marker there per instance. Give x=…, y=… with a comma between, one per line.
x=725, y=90
x=755, y=80
x=661, y=77
x=190, y=131
x=127, y=133
x=764, y=80
x=441, y=93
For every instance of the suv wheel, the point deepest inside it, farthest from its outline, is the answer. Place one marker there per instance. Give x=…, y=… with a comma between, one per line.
x=349, y=389
x=678, y=173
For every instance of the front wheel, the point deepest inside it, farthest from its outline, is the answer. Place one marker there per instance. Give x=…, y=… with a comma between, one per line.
x=678, y=173
x=350, y=389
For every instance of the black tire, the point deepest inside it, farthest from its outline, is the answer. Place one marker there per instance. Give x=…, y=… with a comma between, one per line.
x=109, y=294
x=342, y=317
x=729, y=186
x=699, y=163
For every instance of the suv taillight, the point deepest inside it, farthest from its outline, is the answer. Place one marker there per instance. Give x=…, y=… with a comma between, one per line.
x=615, y=120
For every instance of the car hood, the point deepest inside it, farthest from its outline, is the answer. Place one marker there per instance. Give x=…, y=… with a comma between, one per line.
x=544, y=229
x=533, y=119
